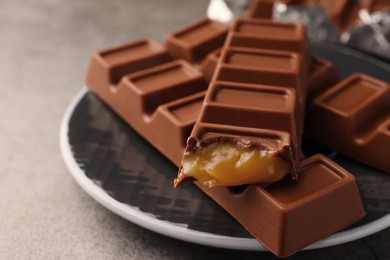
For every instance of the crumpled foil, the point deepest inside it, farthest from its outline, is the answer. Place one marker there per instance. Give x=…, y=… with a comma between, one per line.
x=372, y=35
x=318, y=24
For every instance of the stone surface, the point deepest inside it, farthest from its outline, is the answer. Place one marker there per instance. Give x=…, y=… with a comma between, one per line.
x=44, y=51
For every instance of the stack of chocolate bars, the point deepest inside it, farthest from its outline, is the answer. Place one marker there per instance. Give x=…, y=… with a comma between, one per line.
x=226, y=104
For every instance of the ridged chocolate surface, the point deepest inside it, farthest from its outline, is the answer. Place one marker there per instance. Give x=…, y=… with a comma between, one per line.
x=285, y=216
x=153, y=87
x=353, y=117
x=195, y=41
x=257, y=87
x=262, y=9
x=322, y=75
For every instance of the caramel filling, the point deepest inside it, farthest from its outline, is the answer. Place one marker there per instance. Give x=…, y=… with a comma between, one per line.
x=230, y=164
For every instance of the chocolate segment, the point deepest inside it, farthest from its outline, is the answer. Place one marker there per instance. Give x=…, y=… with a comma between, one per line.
x=108, y=66
x=266, y=67
x=353, y=117
x=267, y=34
x=288, y=216
x=261, y=9
x=238, y=105
x=196, y=40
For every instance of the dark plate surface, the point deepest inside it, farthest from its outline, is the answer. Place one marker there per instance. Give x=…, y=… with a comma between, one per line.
x=119, y=161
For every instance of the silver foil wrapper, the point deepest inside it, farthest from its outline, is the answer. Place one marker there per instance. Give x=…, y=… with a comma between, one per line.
x=371, y=35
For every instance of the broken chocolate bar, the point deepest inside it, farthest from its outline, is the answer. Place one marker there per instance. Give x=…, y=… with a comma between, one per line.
x=353, y=117
x=234, y=133
x=254, y=107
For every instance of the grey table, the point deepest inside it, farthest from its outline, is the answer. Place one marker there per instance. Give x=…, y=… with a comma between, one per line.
x=44, y=51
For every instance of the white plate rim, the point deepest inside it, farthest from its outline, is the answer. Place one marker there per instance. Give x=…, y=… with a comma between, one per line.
x=177, y=231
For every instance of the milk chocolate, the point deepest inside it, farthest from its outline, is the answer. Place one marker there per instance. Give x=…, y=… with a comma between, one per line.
x=322, y=76
x=269, y=35
x=255, y=90
x=263, y=35
x=159, y=97
x=353, y=117
x=288, y=216
x=209, y=64
x=108, y=66
x=132, y=78
x=261, y=9
x=195, y=41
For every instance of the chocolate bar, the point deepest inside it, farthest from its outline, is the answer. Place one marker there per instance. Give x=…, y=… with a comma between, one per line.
x=195, y=41
x=253, y=109
x=353, y=117
x=288, y=216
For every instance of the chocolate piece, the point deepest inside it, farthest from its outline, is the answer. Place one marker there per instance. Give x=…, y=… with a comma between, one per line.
x=322, y=76
x=353, y=117
x=261, y=9
x=252, y=66
x=288, y=216
x=267, y=34
x=196, y=40
x=239, y=97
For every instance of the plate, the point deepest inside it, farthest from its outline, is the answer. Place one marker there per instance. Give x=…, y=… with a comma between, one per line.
x=123, y=172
